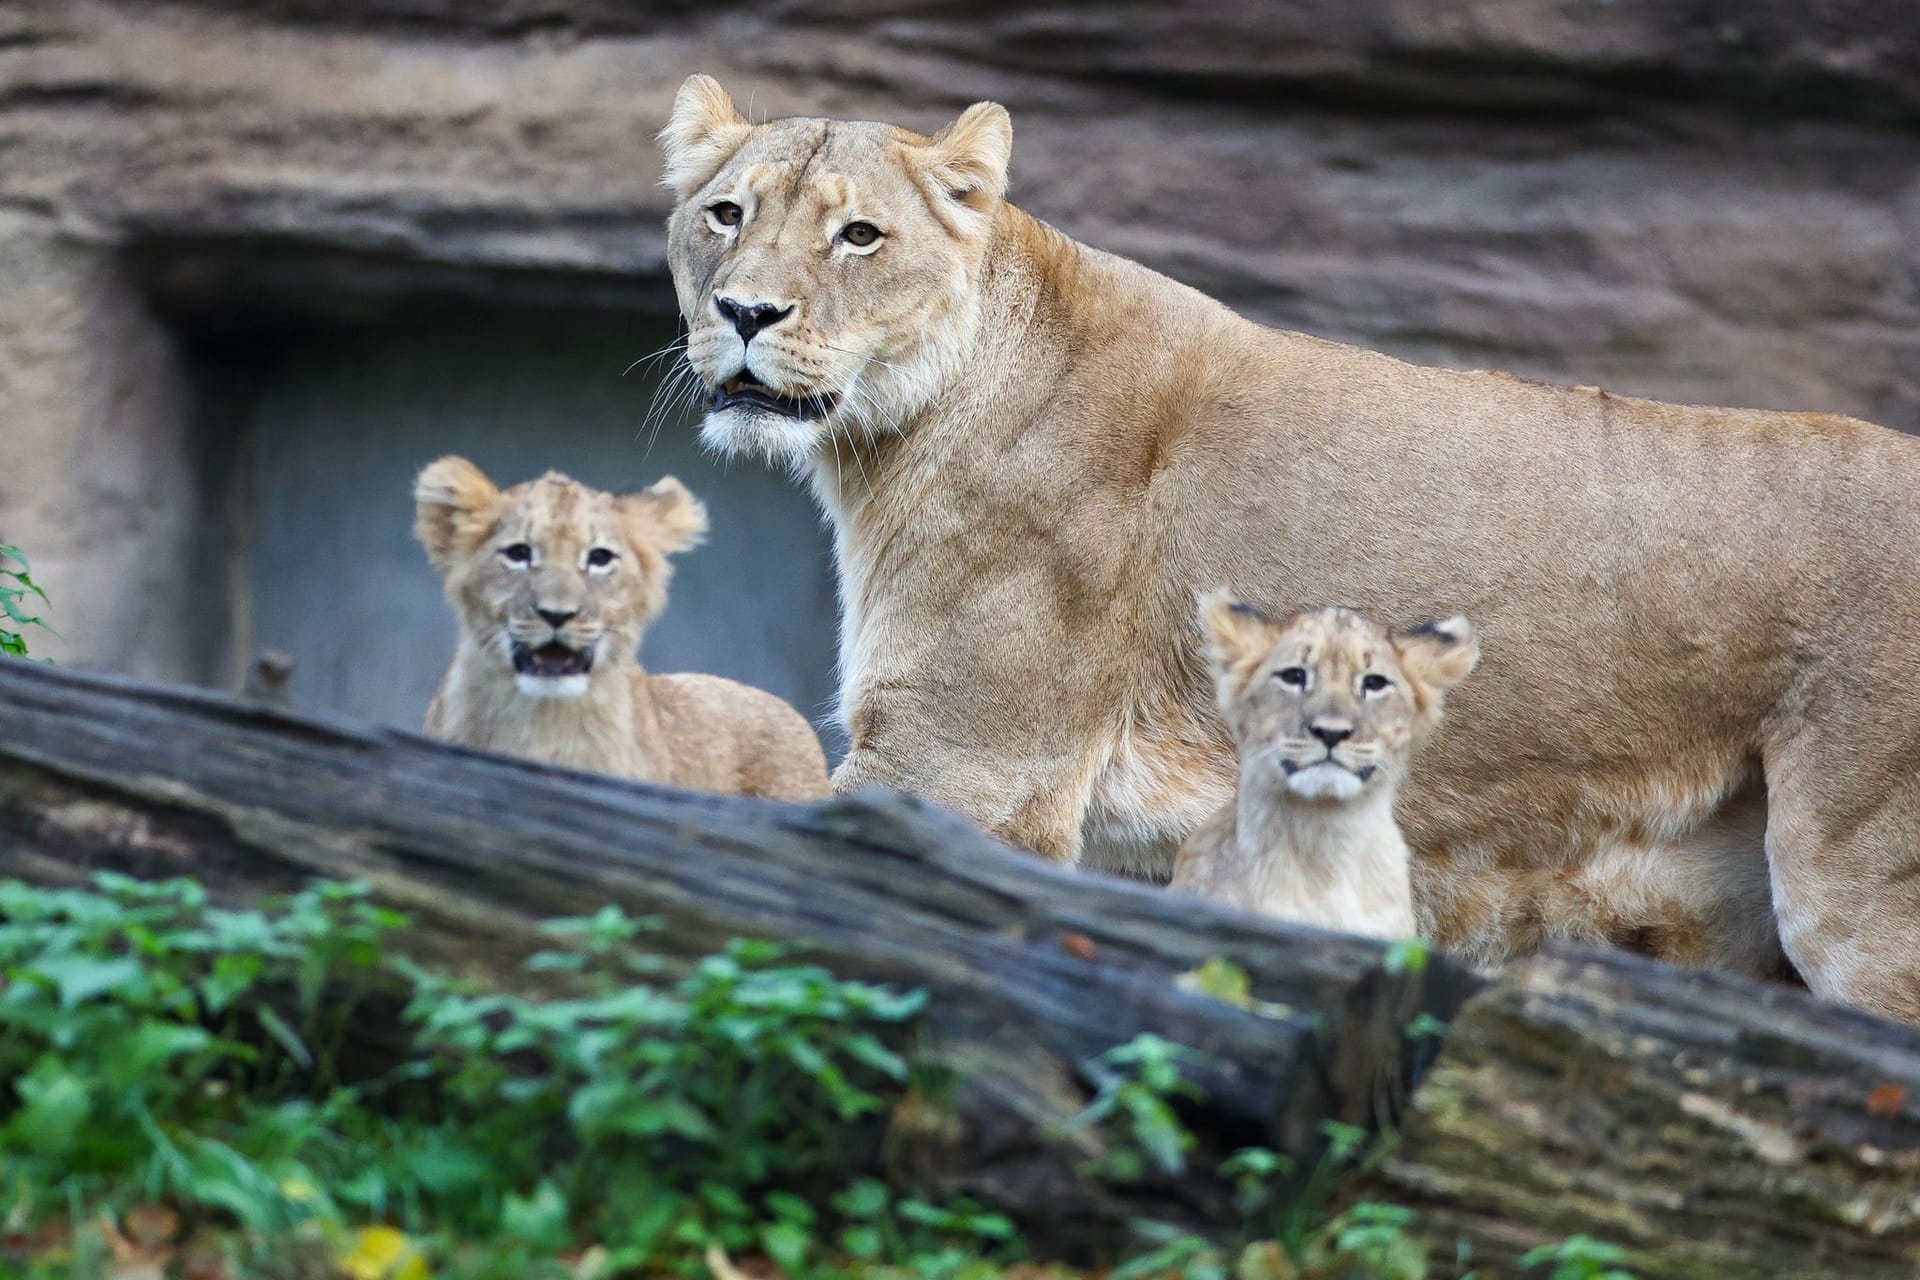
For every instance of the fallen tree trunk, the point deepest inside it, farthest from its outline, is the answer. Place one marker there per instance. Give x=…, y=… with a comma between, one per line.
x=1032, y=970
x=1711, y=1127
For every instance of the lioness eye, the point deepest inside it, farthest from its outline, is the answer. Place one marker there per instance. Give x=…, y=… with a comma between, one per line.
x=726, y=213
x=1373, y=682
x=1295, y=676
x=860, y=234
x=599, y=558
x=518, y=553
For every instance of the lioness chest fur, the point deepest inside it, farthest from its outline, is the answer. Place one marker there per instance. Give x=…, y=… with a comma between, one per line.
x=1325, y=709
x=1703, y=625
x=553, y=584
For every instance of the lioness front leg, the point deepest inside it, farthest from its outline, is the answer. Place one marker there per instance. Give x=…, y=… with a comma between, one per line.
x=1037, y=804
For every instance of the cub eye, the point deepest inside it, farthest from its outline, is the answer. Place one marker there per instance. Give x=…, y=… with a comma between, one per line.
x=860, y=234
x=1373, y=682
x=1295, y=677
x=518, y=553
x=599, y=558
x=726, y=213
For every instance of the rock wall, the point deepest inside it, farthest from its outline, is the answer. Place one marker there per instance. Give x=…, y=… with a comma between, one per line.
x=1711, y=200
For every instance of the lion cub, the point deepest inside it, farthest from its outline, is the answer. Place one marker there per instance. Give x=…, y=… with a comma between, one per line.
x=1325, y=709
x=553, y=584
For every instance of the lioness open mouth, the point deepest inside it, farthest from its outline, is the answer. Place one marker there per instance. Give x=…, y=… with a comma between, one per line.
x=743, y=390
x=551, y=661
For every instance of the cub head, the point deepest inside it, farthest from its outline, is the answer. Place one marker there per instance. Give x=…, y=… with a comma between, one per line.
x=825, y=268
x=1327, y=703
x=552, y=579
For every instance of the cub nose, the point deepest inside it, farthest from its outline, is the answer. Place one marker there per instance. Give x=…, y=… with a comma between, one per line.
x=1331, y=734
x=556, y=618
x=749, y=318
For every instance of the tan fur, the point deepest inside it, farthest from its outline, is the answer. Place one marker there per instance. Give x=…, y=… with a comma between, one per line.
x=694, y=731
x=1325, y=709
x=1041, y=451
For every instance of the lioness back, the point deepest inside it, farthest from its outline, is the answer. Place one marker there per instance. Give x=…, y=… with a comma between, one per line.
x=768, y=750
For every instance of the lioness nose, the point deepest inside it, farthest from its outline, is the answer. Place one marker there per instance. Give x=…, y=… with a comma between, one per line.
x=1331, y=734
x=749, y=318
x=556, y=617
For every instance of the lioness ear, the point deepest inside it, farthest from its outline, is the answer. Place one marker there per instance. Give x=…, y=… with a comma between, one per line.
x=968, y=159
x=702, y=134
x=663, y=516
x=1437, y=656
x=1237, y=633
x=454, y=508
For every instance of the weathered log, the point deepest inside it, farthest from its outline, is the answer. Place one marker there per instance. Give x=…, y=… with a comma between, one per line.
x=1032, y=969
x=1712, y=1127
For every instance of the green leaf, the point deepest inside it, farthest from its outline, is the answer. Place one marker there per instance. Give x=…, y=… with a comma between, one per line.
x=539, y=1220
x=153, y=1044
x=867, y=1049
x=78, y=977
x=55, y=1105
x=1406, y=956
x=787, y=1244
x=791, y=1208
x=862, y=1242
x=865, y=1199
x=726, y=1201
x=286, y=1037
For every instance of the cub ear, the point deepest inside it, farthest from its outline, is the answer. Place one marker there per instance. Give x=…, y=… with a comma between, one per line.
x=454, y=508
x=663, y=516
x=968, y=159
x=702, y=133
x=1237, y=633
x=1438, y=655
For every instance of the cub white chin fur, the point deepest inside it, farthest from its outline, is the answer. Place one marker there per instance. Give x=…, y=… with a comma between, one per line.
x=1326, y=781
x=551, y=686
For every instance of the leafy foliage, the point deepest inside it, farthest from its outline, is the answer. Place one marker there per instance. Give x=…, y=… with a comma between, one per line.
x=179, y=1098
x=633, y=1119
x=18, y=590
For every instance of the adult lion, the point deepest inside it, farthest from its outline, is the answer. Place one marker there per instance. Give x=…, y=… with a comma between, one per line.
x=1699, y=624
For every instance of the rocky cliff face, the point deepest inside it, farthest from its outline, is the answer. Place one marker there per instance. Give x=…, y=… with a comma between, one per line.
x=1710, y=200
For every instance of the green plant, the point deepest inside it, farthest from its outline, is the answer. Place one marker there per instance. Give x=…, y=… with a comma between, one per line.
x=705, y=1101
x=1134, y=1104
x=17, y=590
x=161, y=1056
x=1370, y=1240
x=127, y=1028
x=1580, y=1258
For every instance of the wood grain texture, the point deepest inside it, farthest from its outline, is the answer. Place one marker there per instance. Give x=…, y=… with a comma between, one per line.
x=1713, y=1127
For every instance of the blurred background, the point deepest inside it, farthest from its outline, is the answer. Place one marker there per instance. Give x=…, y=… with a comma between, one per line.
x=262, y=259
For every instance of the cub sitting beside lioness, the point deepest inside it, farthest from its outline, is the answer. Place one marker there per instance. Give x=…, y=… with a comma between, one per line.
x=553, y=584
x=1325, y=710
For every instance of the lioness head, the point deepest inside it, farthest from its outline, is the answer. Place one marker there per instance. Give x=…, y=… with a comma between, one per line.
x=556, y=580
x=824, y=268
x=1327, y=702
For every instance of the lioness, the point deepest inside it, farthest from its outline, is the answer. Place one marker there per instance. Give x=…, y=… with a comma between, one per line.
x=1325, y=709
x=1702, y=623
x=553, y=584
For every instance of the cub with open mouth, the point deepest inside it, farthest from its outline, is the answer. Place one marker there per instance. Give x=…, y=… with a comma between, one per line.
x=1325, y=709
x=553, y=584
